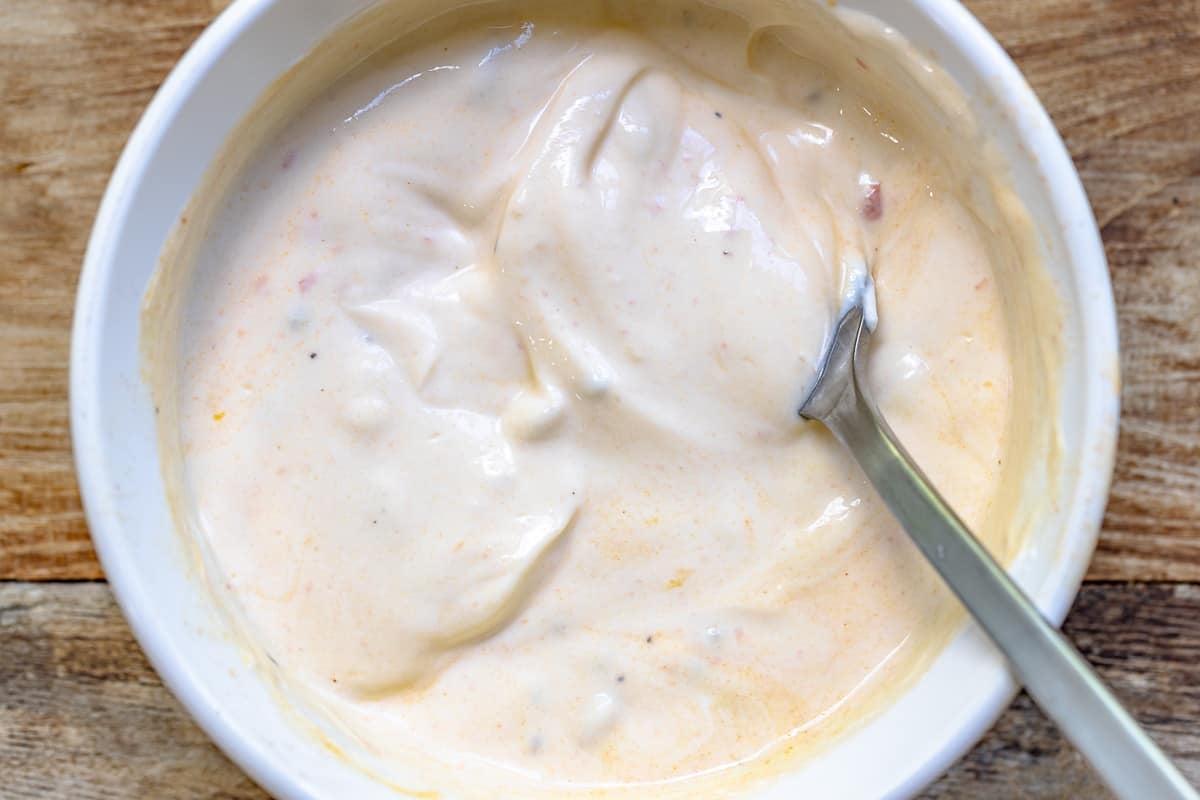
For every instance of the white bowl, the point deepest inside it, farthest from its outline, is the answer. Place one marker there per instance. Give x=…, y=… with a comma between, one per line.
x=172, y=615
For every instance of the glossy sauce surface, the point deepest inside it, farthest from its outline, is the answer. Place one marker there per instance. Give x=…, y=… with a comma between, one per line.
x=488, y=384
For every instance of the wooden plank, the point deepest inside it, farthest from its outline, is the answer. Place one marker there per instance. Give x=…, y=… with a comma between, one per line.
x=82, y=715
x=1120, y=77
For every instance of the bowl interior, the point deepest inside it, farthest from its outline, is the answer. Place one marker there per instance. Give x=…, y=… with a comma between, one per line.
x=161, y=592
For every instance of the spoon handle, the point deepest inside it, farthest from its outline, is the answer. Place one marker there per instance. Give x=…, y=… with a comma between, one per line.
x=1054, y=673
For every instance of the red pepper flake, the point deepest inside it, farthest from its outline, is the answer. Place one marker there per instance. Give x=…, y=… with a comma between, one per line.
x=861, y=63
x=289, y=158
x=307, y=281
x=871, y=207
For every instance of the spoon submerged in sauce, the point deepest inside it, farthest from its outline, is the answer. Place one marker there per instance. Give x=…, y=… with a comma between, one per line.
x=1056, y=676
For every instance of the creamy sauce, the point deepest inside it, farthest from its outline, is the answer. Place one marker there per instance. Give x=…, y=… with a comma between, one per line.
x=489, y=362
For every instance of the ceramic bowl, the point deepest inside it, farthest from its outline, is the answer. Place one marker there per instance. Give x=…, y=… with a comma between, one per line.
x=171, y=613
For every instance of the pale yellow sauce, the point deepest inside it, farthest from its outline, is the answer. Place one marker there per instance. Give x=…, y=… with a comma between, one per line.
x=489, y=366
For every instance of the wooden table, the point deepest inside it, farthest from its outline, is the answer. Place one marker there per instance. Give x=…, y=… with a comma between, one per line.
x=83, y=716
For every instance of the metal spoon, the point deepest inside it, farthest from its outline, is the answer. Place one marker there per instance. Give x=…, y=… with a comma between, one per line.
x=1054, y=673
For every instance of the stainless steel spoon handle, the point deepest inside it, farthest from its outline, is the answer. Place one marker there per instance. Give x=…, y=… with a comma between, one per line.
x=1054, y=673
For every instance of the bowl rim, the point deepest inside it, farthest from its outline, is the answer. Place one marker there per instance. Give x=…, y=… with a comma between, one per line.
x=1064, y=192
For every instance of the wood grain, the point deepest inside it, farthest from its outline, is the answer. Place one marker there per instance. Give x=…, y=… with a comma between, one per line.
x=82, y=715
x=1121, y=79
